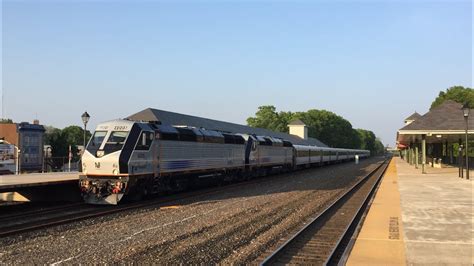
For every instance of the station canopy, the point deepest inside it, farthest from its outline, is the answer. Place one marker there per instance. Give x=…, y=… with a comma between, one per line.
x=444, y=123
x=176, y=119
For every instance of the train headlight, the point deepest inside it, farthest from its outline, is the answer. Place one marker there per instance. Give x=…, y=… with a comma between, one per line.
x=115, y=172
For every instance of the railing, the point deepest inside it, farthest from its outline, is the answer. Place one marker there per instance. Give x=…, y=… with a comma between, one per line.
x=61, y=164
x=455, y=161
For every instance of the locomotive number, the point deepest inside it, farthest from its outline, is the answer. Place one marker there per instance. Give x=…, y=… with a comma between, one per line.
x=120, y=127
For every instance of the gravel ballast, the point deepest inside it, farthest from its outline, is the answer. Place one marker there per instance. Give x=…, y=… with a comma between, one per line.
x=235, y=225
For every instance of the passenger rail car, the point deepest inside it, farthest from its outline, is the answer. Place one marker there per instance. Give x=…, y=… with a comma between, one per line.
x=134, y=158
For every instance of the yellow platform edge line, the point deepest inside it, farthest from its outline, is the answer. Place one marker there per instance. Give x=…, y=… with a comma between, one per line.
x=170, y=207
x=380, y=241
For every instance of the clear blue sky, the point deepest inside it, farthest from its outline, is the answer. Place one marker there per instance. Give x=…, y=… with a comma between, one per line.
x=372, y=62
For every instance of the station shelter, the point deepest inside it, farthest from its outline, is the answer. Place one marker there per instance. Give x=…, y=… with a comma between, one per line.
x=437, y=138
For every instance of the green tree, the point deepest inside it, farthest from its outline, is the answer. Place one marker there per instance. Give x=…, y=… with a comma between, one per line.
x=367, y=139
x=326, y=126
x=6, y=121
x=331, y=129
x=379, y=148
x=48, y=133
x=267, y=117
x=458, y=94
x=75, y=135
x=60, y=141
x=59, y=147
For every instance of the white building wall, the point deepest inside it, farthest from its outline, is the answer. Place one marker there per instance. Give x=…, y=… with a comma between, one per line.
x=299, y=130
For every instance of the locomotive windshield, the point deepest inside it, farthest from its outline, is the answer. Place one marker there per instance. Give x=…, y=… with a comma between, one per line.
x=115, y=141
x=96, y=141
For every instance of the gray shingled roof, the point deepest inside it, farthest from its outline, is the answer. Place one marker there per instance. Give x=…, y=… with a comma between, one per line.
x=171, y=118
x=447, y=116
x=414, y=116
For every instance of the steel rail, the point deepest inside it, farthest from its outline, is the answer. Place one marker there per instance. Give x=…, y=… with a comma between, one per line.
x=39, y=211
x=300, y=232
x=359, y=212
x=358, y=225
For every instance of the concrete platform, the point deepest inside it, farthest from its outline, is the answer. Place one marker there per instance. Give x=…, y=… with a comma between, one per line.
x=8, y=182
x=437, y=219
x=437, y=215
x=380, y=242
x=39, y=187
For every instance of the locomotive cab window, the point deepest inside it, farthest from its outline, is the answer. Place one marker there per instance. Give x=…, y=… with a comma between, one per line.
x=145, y=140
x=115, y=141
x=96, y=141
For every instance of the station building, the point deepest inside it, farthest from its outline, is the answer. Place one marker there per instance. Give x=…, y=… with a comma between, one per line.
x=435, y=138
x=29, y=139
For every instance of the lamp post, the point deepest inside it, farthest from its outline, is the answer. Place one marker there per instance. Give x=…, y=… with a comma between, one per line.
x=461, y=169
x=85, y=118
x=48, y=151
x=18, y=158
x=466, y=110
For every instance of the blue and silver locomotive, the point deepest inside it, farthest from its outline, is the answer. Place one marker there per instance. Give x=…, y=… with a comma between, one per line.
x=132, y=159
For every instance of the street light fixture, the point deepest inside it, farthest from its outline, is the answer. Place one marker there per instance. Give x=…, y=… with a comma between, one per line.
x=466, y=110
x=85, y=118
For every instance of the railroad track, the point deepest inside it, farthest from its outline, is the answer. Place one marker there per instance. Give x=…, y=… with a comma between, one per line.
x=74, y=212
x=41, y=218
x=37, y=210
x=323, y=240
x=38, y=219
